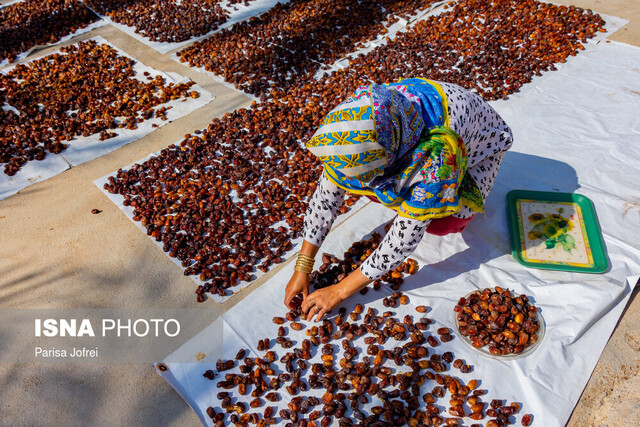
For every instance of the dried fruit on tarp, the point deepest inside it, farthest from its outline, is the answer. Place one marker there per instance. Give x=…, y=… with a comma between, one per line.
x=53, y=110
x=296, y=326
x=505, y=322
x=27, y=23
x=164, y=20
x=224, y=365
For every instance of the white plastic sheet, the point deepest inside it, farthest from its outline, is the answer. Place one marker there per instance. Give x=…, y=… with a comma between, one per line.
x=82, y=149
x=576, y=130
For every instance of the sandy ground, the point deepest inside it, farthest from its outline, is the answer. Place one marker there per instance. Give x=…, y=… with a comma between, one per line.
x=56, y=254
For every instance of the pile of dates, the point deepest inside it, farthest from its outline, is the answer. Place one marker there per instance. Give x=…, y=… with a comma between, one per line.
x=86, y=89
x=359, y=380
x=362, y=367
x=489, y=47
x=38, y=22
x=508, y=324
x=164, y=20
x=333, y=270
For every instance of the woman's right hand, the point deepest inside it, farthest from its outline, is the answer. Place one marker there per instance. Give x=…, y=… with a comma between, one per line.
x=298, y=284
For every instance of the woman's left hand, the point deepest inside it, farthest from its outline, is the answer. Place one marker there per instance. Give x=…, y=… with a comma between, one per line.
x=322, y=301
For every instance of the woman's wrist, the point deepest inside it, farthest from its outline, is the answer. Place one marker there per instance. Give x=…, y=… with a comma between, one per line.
x=343, y=291
x=306, y=258
x=309, y=249
x=352, y=284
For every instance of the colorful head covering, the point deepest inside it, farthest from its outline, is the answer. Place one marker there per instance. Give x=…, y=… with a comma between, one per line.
x=393, y=142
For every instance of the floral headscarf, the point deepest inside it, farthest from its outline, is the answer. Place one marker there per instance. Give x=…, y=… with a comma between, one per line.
x=393, y=142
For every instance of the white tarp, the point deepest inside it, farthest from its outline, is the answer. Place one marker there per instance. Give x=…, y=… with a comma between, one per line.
x=576, y=130
x=82, y=149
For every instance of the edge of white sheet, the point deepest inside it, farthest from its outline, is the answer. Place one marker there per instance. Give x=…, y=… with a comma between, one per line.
x=82, y=149
x=30, y=173
x=216, y=78
x=118, y=199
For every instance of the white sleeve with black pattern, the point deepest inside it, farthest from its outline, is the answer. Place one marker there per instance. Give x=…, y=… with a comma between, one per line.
x=484, y=172
x=485, y=134
x=402, y=239
x=322, y=211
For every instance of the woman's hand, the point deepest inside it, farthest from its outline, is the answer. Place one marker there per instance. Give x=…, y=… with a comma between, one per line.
x=299, y=283
x=326, y=299
x=322, y=301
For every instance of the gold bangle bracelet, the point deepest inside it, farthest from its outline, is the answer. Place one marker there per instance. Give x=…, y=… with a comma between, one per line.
x=303, y=269
x=304, y=263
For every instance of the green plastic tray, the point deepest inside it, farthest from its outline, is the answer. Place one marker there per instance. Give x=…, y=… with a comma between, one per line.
x=555, y=231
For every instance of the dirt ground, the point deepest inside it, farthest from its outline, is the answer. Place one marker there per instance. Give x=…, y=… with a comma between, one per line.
x=56, y=254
